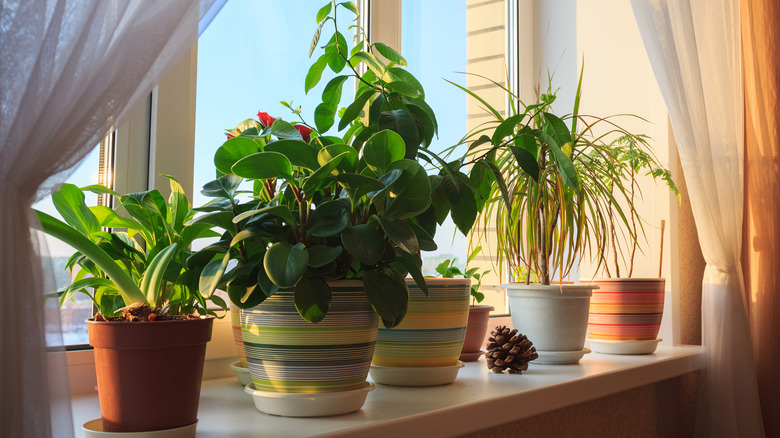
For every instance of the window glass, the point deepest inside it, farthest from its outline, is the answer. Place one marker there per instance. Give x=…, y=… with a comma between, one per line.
x=252, y=56
x=74, y=313
x=443, y=39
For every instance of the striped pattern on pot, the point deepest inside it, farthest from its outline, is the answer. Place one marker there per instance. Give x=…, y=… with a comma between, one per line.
x=626, y=309
x=287, y=354
x=238, y=340
x=432, y=333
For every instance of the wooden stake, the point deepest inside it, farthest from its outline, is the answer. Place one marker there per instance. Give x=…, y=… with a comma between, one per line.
x=661, y=256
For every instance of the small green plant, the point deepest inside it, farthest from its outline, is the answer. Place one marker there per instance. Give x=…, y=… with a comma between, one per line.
x=144, y=260
x=447, y=269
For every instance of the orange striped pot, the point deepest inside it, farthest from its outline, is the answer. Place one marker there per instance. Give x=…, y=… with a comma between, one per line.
x=626, y=309
x=238, y=340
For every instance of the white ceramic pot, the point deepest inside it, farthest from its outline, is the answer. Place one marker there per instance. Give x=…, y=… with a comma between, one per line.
x=554, y=317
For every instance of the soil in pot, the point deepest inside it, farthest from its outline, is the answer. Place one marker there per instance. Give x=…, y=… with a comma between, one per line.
x=149, y=372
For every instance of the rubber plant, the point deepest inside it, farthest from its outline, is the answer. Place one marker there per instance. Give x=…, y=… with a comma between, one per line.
x=142, y=261
x=357, y=205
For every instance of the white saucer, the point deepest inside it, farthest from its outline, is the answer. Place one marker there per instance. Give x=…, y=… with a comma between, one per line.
x=242, y=373
x=624, y=347
x=309, y=405
x=94, y=429
x=559, y=357
x=415, y=376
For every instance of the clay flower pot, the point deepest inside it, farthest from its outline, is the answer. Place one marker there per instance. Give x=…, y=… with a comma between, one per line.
x=149, y=373
x=626, y=309
x=476, y=330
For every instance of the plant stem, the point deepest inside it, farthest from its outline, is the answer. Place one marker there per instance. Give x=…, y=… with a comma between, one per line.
x=241, y=245
x=612, y=237
x=633, y=227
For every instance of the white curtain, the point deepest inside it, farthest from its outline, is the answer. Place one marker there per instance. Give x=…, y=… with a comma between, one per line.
x=70, y=71
x=695, y=50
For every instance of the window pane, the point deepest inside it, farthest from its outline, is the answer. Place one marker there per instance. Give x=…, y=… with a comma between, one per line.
x=443, y=39
x=75, y=312
x=252, y=56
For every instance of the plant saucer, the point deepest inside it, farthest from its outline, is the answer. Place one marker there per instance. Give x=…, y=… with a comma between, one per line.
x=94, y=429
x=547, y=357
x=322, y=404
x=244, y=378
x=415, y=376
x=624, y=347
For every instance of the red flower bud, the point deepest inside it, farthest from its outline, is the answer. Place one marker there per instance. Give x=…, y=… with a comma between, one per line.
x=266, y=119
x=229, y=135
x=305, y=132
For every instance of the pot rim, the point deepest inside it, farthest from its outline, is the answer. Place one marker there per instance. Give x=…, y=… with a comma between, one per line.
x=434, y=280
x=201, y=318
x=623, y=279
x=480, y=307
x=561, y=291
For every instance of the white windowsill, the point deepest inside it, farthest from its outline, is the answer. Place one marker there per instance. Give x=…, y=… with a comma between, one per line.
x=465, y=406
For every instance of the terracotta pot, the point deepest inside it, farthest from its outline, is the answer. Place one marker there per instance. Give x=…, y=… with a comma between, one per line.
x=432, y=333
x=287, y=354
x=476, y=330
x=626, y=309
x=149, y=373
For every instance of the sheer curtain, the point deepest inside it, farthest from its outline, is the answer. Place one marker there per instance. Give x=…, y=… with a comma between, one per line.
x=70, y=71
x=694, y=48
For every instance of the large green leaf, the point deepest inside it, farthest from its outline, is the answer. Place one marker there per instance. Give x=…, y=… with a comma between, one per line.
x=285, y=263
x=323, y=12
x=212, y=275
x=371, y=61
x=232, y=151
x=110, y=219
x=313, y=183
x=401, y=122
x=565, y=167
x=354, y=109
x=400, y=234
x=329, y=219
x=364, y=242
x=222, y=187
x=526, y=161
x=506, y=128
x=413, y=264
x=299, y=153
x=315, y=71
x=179, y=206
x=285, y=131
x=69, y=202
x=281, y=211
x=424, y=240
x=348, y=162
x=222, y=219
x=324, y=116
x=397, y=74
x=151, y=283
x=382, y=149
x=321, y=255
x=264, y=165
x=338, y=47
x=358, y=185
x=389, y=53
x=312, y=298
x=410, y=194
x=388, y=295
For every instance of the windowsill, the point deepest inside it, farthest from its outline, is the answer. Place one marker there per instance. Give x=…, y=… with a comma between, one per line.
x=465, y=406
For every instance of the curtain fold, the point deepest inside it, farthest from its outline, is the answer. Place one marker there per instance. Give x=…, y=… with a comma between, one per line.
x=694, y=49
x=71, y=71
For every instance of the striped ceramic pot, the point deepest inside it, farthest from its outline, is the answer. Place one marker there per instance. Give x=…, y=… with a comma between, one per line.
x=287, y=354
x=432, y=333
x=626, y=309
x=238, y=340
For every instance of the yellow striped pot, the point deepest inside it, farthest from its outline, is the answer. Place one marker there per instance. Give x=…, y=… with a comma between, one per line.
x=238, y=340
x=432, y=333
x=287, y=354
x=626, y=309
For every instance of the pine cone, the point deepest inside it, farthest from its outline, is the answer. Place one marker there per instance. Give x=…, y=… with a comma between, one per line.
x=508, y=350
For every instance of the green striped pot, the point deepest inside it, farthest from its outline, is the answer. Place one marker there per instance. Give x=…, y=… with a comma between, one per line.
x=238, y=339
x=287, y=354
x=432, y=333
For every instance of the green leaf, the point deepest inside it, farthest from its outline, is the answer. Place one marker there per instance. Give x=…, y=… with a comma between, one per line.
x=358, y=185
x=329, y=219
x=397, y=74
x=351, y=6
x=285, y=131
x=410, y=194
x=482, y=179
x=364, y=242
x=312, y=298
x=565, y=166
x=264, y=165
x=321, y=255
x=371, y=61
x=424, y=239
x=315, y=71
x=420, y=103
x=526, y=161
x=179, y=206
x=151, y=284
x=389, y=53
x=298, y=152
x=400, y=234
x=222, y=219
x=313, y=183
x=354, y=109
x=212, y=275
x=232, y=151
x=222, y=187
x=413, y=265
x=464, y=213
x=401, y=122
x=506, y=128
x=323, y=12
x=69, y=202
x=324, y=116
x=332, y=92
x=337, y=46
x=285, y=263
x=349, y=161
x=110, y=219
x=388, y=295
x=281, y=211
x=382, y=149
x=558, y=129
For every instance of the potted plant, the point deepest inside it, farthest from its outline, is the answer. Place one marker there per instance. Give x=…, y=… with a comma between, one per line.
x=152, y=326
x=626, y=312
x=549, y=207
x=324, y=229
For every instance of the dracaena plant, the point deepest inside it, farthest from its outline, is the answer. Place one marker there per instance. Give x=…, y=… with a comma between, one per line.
x=141, y=261
x=300, y=208
x=558, y=189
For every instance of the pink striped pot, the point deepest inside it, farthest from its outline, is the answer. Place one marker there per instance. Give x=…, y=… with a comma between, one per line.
x=238, y=340
x=626, y=309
